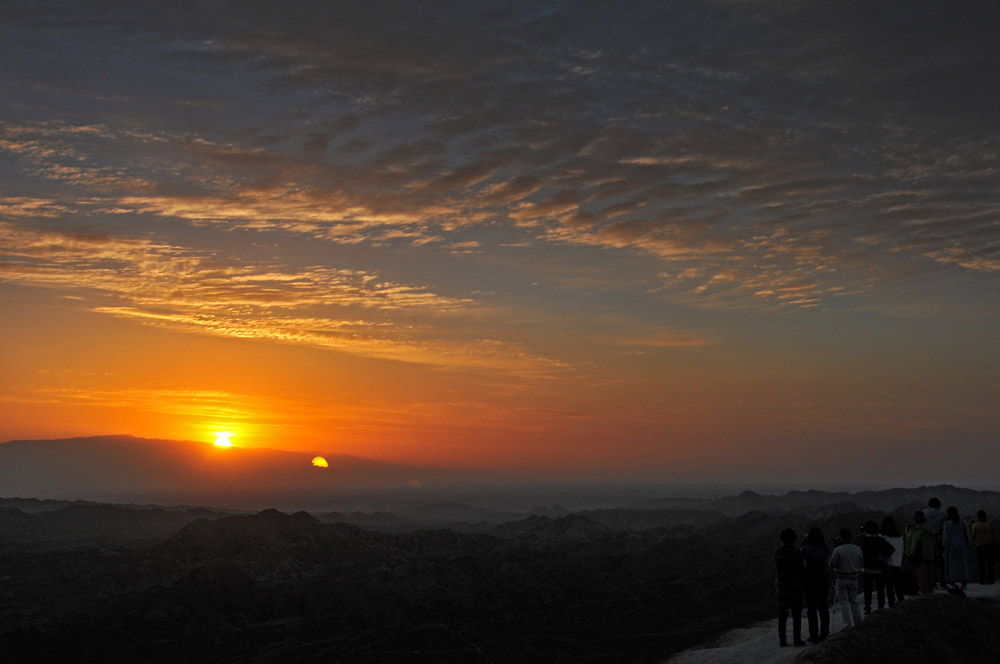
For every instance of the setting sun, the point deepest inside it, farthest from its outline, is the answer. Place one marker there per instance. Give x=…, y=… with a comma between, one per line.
x=320, y=462
x=222, y=439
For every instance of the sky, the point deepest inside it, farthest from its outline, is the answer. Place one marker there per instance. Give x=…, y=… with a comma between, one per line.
x=685, y=241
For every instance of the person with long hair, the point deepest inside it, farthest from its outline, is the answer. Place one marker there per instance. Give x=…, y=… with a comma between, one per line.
x=815, y=553
x=894, y=563
x=955, y=545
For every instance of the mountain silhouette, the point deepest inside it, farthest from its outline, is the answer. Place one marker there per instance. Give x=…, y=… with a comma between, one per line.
x=107, y=466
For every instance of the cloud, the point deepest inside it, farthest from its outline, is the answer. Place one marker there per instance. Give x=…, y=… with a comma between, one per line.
x=666, y=339
x=767, y=160
x=162, y=284
x=22, y=206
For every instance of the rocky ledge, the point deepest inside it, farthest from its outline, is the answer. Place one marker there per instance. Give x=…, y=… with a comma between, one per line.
x=939, y=629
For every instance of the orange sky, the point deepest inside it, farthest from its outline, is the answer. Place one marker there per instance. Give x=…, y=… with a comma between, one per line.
x=504, y=245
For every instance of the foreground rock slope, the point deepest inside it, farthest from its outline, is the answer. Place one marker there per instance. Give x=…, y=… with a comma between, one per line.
x=940, y=629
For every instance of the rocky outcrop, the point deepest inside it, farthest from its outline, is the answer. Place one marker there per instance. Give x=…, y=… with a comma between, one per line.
x=940, y=629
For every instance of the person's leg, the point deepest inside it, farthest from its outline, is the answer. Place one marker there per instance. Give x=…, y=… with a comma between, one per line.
x=852, y=596
x=811, y=617
x=796, y=609
x=891, y=577
x=926, y=568
x=868, y=583
x=982, y=552
x=880, y=589
x=939, y=564
x=782, y=624
x=843, y=603
x=824, y=613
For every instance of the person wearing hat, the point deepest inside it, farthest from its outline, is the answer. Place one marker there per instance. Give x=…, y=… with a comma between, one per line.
x=920, y=543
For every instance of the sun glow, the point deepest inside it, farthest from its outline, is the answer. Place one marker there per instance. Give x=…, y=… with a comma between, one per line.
x=222, y=439
x=320, y=462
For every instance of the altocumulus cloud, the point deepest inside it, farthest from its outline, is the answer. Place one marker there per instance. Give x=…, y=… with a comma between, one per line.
x=760, y=153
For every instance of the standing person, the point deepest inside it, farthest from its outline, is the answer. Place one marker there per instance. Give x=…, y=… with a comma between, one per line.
x=875, y=551
x=815, y=553
x=894, y=563
x=984, y=540
x=935, y=519
x=955, y=540
x=920, y=544
x=845, y=561
x=789, y=572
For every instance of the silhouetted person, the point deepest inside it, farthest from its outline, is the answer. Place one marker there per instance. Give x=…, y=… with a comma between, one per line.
x=789, y=571
x=845, y=561
x=920, y=546
x=935, y=519
x=955, y=540
x=815, y=553
x=875, y=551
x=985, y=542
x=894, y=563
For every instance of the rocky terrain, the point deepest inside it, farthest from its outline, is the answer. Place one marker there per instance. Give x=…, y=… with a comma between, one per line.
x=626, y=585
x=941, y=629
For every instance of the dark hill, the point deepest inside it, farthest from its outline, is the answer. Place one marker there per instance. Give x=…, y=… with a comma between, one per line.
x=261, y=534
x=571, y=527
x=447, y=513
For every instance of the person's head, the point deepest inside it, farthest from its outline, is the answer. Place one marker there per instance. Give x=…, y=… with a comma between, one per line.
x=871, y=528
x=935, y=503
x=919, y=517
x=815, y=537
x=845, y=535
x=952, y=513
x=981, y=515
x=888, y=527
x=788, y=536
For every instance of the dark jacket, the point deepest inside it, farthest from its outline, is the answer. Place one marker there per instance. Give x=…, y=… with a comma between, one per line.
x=815, y=557
x=789, y=571
x=875, y=551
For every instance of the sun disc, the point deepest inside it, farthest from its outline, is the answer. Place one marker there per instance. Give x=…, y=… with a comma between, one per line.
x=320, y=462
x=222, y=441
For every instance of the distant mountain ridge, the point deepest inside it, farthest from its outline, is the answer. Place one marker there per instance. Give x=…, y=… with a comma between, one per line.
x=80, y=522
x=885, y=500
x=105, y=466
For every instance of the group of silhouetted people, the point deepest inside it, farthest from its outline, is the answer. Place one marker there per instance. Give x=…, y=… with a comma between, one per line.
x=936, y=547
